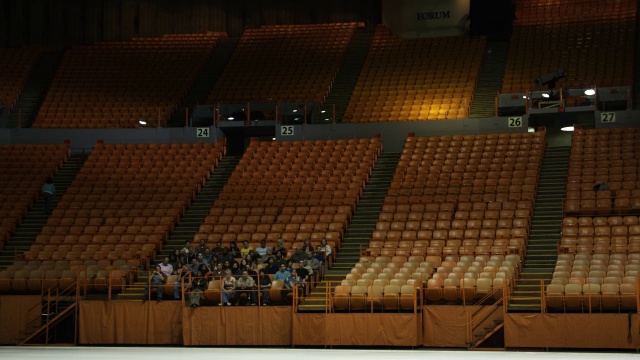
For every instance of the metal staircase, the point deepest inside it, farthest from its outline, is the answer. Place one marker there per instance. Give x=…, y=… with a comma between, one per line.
x=58, y=321
x=36, y=218
x=359, y=231
x=542, y=249
x=490, y=80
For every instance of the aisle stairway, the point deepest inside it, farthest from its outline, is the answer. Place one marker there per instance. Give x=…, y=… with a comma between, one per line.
x=490, y=80
x=200, y=89
x=31, y=225
x=187, y=227
x=35, y=90
x=347, y=76
x=542, y=251
x=359, y=230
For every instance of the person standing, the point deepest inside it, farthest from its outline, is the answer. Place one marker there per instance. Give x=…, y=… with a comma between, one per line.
x=48, y=190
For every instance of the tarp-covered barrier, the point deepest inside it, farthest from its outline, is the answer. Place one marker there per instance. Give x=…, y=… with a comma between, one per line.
x=130, y=322
x=391, y=329
x=237, y=325
x=19, y=317
x=598, y=331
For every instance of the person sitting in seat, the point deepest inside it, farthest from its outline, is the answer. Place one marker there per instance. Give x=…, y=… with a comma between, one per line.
x=298, y=255
x=290, y=283
x=271, y=267
x=265, y=286
x=280, y=249
x=303, y=271
x=235, y=269
x=219, y=271
x=196, y=290
x=233, y=250
x=245, y=249
x=313, y=264
x=166, y=267
x=218, y=250
x=183, y=273
x=208, y=256
x=157, y=280
x=202, y=247
x=201, y=262
x=262, y=249
x=246, y=285
x=188, y=251
x=307, y=245
x=228, y=287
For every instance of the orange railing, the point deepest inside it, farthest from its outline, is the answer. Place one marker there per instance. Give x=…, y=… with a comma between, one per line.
x=590, y=302
x=486, y=310
x=53, y=311
x=367, y=302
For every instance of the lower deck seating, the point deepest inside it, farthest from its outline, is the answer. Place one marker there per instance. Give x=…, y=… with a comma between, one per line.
x=117, y=213
x=23, y=170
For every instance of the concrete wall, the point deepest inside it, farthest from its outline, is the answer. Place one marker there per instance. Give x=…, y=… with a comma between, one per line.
x=393, y=133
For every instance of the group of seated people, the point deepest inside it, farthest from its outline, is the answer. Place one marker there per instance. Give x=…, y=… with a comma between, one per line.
x=241, y=271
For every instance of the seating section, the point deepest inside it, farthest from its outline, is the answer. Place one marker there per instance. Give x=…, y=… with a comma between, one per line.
x=600, y=235
x=599, y=256
x=292, y=191
x=416, y=79
x=462, y=201
x=15, y=67
x=592, y=47
x=284, y=63
x=604, y=156
x=117, y=84
x=23, y=170
x=466, y=279
x=119, y=210
x=592, y=283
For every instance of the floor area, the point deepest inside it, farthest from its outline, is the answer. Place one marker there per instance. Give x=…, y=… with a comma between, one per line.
x=155, y=353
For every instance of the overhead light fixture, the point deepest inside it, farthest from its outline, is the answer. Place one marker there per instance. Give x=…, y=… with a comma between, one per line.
x=327, y=119
x=531, y=129
x=295, y=110
x=296, y=119
x=590, y=92
x=567, y=128
x=230, y=118
x=545, y=95
x=142, y=122
x=273, y=138
x=524, y=96
x=323, y=111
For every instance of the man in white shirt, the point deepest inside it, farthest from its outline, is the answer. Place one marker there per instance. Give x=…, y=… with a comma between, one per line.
x=166, y=268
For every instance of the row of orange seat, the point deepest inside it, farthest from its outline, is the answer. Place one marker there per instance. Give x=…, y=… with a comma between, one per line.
x=456, y=227
x=127, y=70
x=559, y=37
x=266, y=67
x=383, y=92
x=287, y=212
x=148, y=219
x=15, y=67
